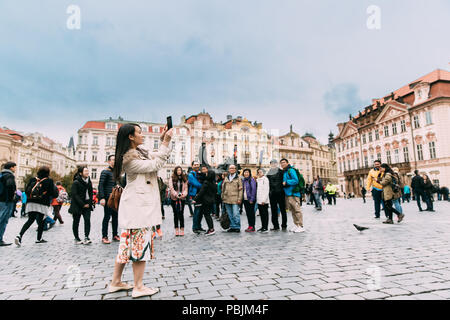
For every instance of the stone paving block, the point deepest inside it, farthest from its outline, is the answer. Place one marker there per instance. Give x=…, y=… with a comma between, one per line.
x=395, y=291
x=349, y=297
x=304, y=296
x=328, y=293
x=373, y=295
x=278, y=293
x=427, y=296
x=234, y=291
x=186, y=292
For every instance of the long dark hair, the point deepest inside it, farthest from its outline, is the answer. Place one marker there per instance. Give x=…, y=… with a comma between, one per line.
x=123, y=144
x=175, y=175
x=79, y=172
x=249, y=172
x=387, y=169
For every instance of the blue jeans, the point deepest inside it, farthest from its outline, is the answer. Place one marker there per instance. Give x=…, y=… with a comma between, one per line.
x=376, y=195
x=197, y=219
x=233, y=214
x=398, y=205
x=318, y=200
x=6, y=208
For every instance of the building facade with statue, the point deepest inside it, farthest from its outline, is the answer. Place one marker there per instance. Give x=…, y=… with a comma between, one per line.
x=409, y=129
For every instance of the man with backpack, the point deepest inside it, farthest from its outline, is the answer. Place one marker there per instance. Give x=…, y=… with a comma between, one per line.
x=7, y=192
x=105, y=187
x=293, y=182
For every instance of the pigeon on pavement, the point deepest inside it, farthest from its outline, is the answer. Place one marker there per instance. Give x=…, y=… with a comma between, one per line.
x=359, y=228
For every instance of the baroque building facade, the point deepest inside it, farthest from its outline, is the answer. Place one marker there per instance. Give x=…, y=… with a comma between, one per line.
x=409, y=129
x=29, y=151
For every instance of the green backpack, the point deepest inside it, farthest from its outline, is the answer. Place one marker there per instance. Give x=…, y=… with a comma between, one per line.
x=301, y=181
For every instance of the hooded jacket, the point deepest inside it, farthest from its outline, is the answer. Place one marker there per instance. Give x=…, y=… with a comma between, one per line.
x=275, y=176
x=291, y=179
x=9, y=183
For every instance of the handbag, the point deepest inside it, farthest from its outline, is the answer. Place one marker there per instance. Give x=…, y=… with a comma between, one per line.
x=224, y=220
x=114, y=198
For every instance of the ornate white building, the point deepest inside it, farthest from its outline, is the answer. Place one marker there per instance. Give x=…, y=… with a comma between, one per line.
x=409, y=129
x=97, y=140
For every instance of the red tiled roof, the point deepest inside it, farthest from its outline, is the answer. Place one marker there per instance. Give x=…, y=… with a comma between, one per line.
x=94, y=125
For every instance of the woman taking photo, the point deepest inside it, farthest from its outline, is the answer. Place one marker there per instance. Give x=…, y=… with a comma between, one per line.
x=391, y=191
x=178, y=189
x=40, y=192
x=82, y=204
x=140, y=204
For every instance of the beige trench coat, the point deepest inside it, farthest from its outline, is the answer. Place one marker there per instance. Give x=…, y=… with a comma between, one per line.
x=140, y=203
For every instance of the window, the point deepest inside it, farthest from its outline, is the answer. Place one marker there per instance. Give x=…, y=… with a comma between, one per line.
x=94, y=174
x=405, y=154
x=356, y=142
x=173, y=145
x=364, y=139
x=80, y=139
x=419, y=152
x=183, y=160
x=183, y=146
x=403, y=126
x=432, y=147
x=94, y=156
x=156, y=129
x=366, y=162
x=95, y=141
x=396, y=156
x=84, y=156
x=351, y=143
x=394, y=128
x=377, y=135
x=428, y=117
x=107, y=155
x=155, y=144
x=357, y=163
x=370, y=136
x=386, y=131
x=416, y=122
x=388, y=156
x=379, y=156
x=339, y=147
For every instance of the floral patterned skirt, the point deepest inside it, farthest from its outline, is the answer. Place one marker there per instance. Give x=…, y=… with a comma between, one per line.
x=135, y=245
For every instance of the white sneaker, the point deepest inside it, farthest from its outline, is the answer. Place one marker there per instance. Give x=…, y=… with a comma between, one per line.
x=292, y=229
x=299, y=229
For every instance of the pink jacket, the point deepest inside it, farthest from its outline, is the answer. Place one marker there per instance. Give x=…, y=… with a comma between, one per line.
x=174, y=193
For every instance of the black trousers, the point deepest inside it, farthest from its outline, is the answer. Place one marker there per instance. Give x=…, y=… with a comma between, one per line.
x=86, y=213
x=34, y=216
x=178, y=212
x=332, y=198
x=108, y=214
x=205, y=211
x=264, y=214
x=250, y=212
x=389, y=209
x=277, y=200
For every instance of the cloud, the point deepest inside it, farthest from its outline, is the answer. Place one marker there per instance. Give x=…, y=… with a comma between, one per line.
x=300, y=62
x=343, y=99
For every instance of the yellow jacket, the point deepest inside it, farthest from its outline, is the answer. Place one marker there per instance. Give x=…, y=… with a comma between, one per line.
x=372, y=180
x=331, y=189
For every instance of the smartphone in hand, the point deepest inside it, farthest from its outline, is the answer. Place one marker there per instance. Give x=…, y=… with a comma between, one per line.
x=169, y=122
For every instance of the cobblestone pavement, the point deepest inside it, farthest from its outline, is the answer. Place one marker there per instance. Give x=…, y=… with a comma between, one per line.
x=331, y=260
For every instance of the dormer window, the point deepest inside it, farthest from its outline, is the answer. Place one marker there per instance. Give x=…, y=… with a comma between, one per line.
x=421, y=92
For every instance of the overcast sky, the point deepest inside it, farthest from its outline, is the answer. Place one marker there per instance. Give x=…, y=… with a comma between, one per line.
x=306, y=63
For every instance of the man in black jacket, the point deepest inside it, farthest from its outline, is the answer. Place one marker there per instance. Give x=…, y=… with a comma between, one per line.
x=105, y=187
x=7, y=192
x=276, y=195
x=418, y=188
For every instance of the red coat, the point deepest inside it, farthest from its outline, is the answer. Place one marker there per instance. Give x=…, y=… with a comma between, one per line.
x=54, y=202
